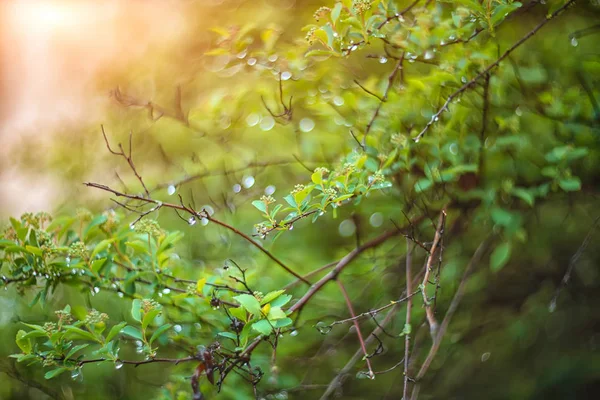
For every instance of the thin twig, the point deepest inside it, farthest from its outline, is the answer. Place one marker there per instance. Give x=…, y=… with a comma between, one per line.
x=127, y=157
x=357, y=327
x=429, y=311
x=448, y=317
x=493, y=65
x=202, y=214
x=409, y=251
x=347, y=259
x=565, y=280
x=391, y=79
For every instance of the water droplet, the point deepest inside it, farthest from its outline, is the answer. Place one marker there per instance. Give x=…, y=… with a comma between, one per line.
x=267, y=123
x=453, y=148
x=552, y=306
x=347, y=228
x=338, y=101
x=518, y=111
x=177, y=328
x=118, y=365
x=463, y=79
x=252, y=119
x=321, y=213
x=120, y=294
x=166, y=291
x=68, y=261
x=382, y=60
x=291, y=227
x=417, y=139
x=574, y=42
x=286, y=75
x=192, y=221
x=96, y=289
x=485, y=356
x=242, y=54
x=428, y=55
x=307, y=124
x=269, y=190
x=76, y=374
x=237, y=188
x=273, y=57
x=224, y=122
x=376, y=219
x=204, y=221
x=294, y=333
x=248, y=182
x=251, y=61
x=323, y=328
x=353, y=48
x=132, y=226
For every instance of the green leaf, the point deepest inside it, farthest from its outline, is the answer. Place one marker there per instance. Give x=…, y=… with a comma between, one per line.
x=96, y=265
x=249, y=302
x=149, y=317
x=75, y=350
x=525, y=195
x=263, y=327
x=407, y=329
x=115, y=330
x=103, y=245
x=159, y=332
x=276, y=313
x=36, y=327
x=291, y=201
x=34, y=334
x=228, y=335
x=77, y=333
x=200, y=285
x=136, y=310
x=319, y=52
x=317, y=178
x=330, y=37
x=139, y=247
x=571, y=184
x=23, y=342
x=276, y=210
x=133, y=332
x=335, y=13
x=500, y=256
x=271, y=296
x=260, y=205
x=281, y=323
x=55, y=372
x=34, y=250
x=422, y=185
x=169, y=240
x=99, y=220
x=501, y=217
x=281, y=300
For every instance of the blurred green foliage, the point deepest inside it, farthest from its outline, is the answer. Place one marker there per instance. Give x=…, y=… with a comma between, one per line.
x=379, y=113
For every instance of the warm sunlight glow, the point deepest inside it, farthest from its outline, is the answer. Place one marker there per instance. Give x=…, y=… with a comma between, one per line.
x=46, y=15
